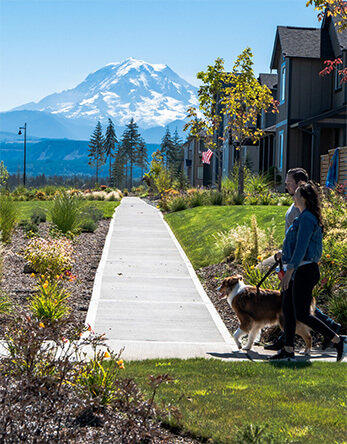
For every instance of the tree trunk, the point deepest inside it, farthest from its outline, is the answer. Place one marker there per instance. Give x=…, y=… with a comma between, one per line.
x=219, y=167
x=241, y=174
x=97, y=171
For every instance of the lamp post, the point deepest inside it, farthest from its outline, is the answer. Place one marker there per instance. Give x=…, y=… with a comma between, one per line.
x=25, y=148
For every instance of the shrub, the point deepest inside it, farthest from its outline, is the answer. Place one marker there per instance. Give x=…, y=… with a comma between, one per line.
x=49, y=301
x=65, y=212
x=38, y=215
x=40, y=195
x=92, y=212
x=8, y=217
x=338, y=305
x=216, y=198
x=50, y=256
x=196, y=199
x=254, y=275
x=177, y=204
x=246, y=244
x=29, y=228
x=1, y=259
x=88, y=226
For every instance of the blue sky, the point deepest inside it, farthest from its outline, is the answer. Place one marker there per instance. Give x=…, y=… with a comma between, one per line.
x=47, y=46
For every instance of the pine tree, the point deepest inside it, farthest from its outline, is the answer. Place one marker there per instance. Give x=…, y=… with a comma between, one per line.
x=142, y=158
x=118, y=169
x=166, y=147
x=96, y=150
x=130, y=144
x=109, y=145
x=176, y=158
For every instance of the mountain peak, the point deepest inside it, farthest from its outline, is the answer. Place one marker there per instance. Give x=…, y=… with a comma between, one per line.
x=151, y=94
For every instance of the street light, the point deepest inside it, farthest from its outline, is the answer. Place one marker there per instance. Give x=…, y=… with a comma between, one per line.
x=25, y=148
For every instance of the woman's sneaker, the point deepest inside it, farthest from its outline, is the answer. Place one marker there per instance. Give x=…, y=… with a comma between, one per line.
x=283, y=356
x=341, y=348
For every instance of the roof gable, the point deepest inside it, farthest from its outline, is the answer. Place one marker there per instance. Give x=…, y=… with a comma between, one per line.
x=313, y=43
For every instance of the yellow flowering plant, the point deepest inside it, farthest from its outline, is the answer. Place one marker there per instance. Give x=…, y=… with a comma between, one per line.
x=49, y=300
x=50, y=256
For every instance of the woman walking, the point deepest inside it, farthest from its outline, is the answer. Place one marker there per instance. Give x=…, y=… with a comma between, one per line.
x=302, y=249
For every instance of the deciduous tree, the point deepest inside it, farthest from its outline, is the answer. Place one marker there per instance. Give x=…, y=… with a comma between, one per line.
x=338, y=10
x=244, y=99
x=210, y=95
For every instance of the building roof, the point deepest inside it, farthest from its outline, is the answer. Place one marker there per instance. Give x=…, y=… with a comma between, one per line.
x=269, y=80
x=313, y=43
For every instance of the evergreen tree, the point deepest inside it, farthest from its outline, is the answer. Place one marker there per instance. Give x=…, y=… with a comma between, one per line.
x=118, y=169
x=142, y=158
x=109, y=145
x=177, y=154
x=130, y=143
x=166, y=147
x=96, y=150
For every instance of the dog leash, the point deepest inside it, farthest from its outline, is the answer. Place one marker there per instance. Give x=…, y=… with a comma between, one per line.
x=278, y=262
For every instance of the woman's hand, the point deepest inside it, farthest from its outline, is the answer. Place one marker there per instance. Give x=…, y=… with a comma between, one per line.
x=278, y=255
x=286, y=279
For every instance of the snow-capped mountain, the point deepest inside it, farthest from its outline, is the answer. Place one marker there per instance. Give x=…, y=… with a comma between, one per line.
x=152, y=94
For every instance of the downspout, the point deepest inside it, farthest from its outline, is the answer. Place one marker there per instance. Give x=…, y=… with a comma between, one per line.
x=289, y=99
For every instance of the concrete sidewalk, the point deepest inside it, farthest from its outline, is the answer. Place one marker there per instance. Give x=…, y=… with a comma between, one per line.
x=148, y=299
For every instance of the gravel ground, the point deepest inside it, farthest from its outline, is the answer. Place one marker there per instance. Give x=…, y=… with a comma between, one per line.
x=20, y=286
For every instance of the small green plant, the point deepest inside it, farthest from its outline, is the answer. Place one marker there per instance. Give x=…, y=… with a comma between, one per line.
x=50, y=257
x=246, y=243
x=99, y=377
x=196, y=199
x=254, y=275
x=8, y=217
x=88, y=226
x=92, y=212
x=65, y=212
x=177, y=204
x=5, y=303
x=38, y=215
x=216, y=198
x=338, y=305
x=30, y=229
x=49, y=301
x=254, y=434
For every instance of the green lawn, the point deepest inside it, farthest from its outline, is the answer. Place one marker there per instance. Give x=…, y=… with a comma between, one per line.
x=194, y=228
x=26, y=208
x=297, y=402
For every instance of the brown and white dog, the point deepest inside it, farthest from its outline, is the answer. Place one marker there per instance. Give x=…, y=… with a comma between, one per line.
x=256, y=310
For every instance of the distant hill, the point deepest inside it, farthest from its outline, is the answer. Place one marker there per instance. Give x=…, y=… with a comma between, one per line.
x=53, y=157
x=41, y=124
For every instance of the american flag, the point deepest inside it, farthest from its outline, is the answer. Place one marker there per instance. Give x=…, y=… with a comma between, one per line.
x=206, y=156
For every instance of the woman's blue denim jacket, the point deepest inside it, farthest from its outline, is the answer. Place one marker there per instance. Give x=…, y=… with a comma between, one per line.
x=303, y=241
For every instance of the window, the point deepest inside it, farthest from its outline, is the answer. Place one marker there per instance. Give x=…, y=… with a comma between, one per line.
x=200, y=146
x=280, y=150
x=283, y=83
x=200, y=173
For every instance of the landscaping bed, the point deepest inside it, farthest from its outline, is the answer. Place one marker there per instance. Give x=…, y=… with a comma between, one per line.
x=87, y=254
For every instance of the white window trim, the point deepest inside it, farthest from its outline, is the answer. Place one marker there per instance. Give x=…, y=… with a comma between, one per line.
x=283, y=83
x=280, y=150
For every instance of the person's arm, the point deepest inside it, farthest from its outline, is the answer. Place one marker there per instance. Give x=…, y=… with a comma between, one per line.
x=305, y=230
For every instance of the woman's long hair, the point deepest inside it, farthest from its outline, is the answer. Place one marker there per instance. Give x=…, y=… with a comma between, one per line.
x=309, y=192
